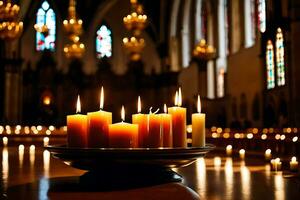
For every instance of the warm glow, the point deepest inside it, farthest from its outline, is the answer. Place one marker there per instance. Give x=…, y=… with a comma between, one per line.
x=78, y=105
x=101, y=98
x=123, y=114
x=294, y=159
x=176, y=99
x=139, y=107
x=295, y=139
x=5, y=141
x=242, y=153
x=268, y=151
x=165, y=108
x=199, y=104
x=179, y=97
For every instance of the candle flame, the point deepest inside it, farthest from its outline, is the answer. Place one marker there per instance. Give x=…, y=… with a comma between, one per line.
x=165, y=108
x=294, y=159
x=139, y=108
x=179, y=97
x=101, y=98
x=176, y=98
x=123, y=114
x=199, y=104
x=78, y=105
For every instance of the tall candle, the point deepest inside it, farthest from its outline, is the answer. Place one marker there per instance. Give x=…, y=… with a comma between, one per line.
x=198, y=127
x=123, y=135
x=166, y=122
x=178, y=122
x=77, y=128
x=98, y=125
x=155, y=139
x=142, y=121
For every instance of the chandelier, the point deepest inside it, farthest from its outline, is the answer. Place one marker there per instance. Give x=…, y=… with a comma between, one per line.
x=135, y=22
x=203, y=51
x=10, y=27
x=134, y=46
x=73, y=28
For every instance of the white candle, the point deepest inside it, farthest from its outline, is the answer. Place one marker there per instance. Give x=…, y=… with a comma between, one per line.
x=198, y=127
x=276, y=164
x=242, y=153
x=294, y=164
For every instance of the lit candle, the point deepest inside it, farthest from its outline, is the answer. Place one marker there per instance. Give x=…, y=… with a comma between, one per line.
x=155, y=135
x=166, y=121
x=178, y=122
x=294, y=164
x=276, y=164
x=123, y=135
x=77, y=128
x=228, y=150
x=142, y=121
x=198, y=127
x=242, y=153
x=98, y=125
x=268, y=154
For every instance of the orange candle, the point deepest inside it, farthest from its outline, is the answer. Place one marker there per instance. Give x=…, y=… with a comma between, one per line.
x=77, y=128
x=123, y=135
x=142, y=121
x=155, y=139
x=178, y=122
x=166, y=121
x=198, y=127
x=98, y=125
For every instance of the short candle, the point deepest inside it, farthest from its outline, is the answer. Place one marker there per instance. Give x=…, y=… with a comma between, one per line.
x=228, y=150
x=142, y=121
x=268, y=154
x=294, y=164
x=166, y=121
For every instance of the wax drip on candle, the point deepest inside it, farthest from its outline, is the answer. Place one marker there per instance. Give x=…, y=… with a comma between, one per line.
x=165, y=108
x=199, y=104
x=123, y=114
x=176, y=98
x=78, y=105
x=179, y=97
x=139, y=108
x=101, y=98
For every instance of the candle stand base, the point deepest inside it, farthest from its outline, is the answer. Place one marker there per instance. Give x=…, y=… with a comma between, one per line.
x=126, y=178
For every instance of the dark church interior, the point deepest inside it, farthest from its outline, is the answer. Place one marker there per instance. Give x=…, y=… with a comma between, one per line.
x=207, y=91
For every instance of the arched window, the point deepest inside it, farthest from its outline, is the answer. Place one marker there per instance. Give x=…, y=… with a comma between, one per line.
x=104, y=42
x=270, y=65
x=280, y=58
x=262, y=18
x=250, y=27
x=46, y=16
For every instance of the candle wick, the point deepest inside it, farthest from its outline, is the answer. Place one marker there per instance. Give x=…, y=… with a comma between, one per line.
x=156, y=111
x=150, y=110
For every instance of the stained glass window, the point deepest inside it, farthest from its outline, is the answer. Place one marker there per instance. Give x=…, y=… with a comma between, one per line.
x=280, y=58
x=249, y=19
x=270, y=65
x=46, y=16
x=262, y=15
x=104, y=42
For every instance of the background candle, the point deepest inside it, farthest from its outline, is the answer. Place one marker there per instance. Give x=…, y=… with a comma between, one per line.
x=98, y=125
x=77, y=128
x=155, y=135
x=166, y=123
x=294, y=164
x=268, y=154
x=123, y=135
x=142, y=121
x=178, y=122
x=198, y=127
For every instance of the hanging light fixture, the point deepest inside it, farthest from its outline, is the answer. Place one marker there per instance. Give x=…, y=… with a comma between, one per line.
x=135, y=22
x=10, y=27
x=73, y=28
x=203, y=51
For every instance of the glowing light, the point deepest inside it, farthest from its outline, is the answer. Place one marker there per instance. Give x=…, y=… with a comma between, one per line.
x=288, y=130
x=255, y=130
x=5, y=167
x=65, y=128
x=51, y=128
x=32, y=154
x=199, y=105
x=277, y=136
x=48, y=132
x=18, y=127
x=282, y=137
x=46, y=161
x=101, y=98
x=228, y=150
x=17, y=131
x=214, y=135
x=5, y=141
x=271, y=130
x=219, y=130
x=165, y=108
x=249, y=135
x=242, y=153
x=268, y=154
x=47, y=100
x=78, y=105
x=39, y=127
x=237, y=136
x=264, y=136
x=179, y=97
x=139, y=108
x=295, y=139
x=21, y=154
x=46, y=141
x=265, y=130
x=226, y=135
x=123, y=114
x=35, y=132
x=26, y=130
x=213, y=129
x=8, y=131
x=189, y=128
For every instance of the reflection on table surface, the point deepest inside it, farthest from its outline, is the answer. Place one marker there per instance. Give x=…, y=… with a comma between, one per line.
x=30, y=172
